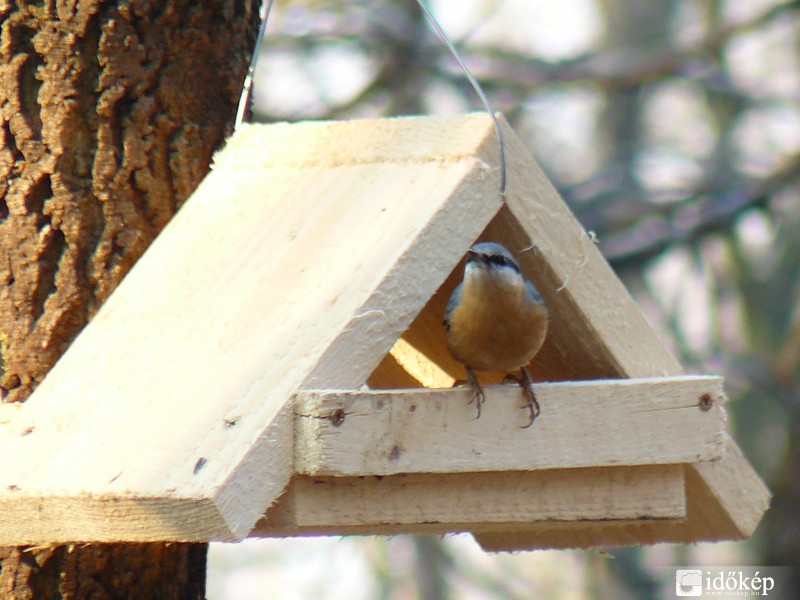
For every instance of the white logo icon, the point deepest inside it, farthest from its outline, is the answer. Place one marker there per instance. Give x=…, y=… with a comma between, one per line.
x=689, y=582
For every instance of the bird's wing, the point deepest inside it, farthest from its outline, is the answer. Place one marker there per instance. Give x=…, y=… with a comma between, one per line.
x=455, y=298
x=532, y=292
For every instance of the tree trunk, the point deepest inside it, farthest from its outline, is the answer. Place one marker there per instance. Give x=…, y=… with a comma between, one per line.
x=105, y=571
x=109, y=114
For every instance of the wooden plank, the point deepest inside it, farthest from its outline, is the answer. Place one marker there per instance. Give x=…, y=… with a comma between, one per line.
x=724, y=503
x=410, y=140
x=298, y=262
x=464, y=501
x=582, y=424
x=703, y=521
x=52, y=519
x=731, y=498
x=590, y=535
x=561, y=534
x=8, y=411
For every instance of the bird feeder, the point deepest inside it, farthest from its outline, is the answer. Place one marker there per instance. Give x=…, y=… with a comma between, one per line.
x=275, y=365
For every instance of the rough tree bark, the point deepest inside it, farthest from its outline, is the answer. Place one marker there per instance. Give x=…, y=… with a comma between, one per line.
x=109, y=114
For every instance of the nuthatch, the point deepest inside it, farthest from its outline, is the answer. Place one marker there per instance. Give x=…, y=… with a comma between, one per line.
x=495, y=320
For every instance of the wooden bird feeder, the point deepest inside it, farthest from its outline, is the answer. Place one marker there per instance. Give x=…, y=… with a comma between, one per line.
x=275, y=365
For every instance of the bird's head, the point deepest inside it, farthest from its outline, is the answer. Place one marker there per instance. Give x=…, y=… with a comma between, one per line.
x=491, y=262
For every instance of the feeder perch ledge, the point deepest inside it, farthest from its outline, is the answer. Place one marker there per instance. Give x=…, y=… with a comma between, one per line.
x=266, y=368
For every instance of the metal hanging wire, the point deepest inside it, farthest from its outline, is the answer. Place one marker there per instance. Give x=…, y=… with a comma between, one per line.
x=475, y=86
x=247, y=88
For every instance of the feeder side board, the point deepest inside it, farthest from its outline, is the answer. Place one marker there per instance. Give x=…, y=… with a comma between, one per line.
x=467, y=501
x=710, y=517
x=583, y=424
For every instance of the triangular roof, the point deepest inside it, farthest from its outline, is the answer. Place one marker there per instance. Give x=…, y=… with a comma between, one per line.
x=297, y=264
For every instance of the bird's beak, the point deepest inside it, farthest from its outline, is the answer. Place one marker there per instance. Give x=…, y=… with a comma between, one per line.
x=477, y=258
x=473, y=256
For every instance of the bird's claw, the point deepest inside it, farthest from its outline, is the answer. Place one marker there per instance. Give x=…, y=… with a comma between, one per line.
x=478, y=396
x=525, y=382
x=532, y=404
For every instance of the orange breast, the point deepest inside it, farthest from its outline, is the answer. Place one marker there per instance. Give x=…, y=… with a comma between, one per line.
x=502, y=334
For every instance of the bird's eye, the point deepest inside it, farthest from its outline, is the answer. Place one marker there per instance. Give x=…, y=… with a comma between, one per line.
x=500, y=260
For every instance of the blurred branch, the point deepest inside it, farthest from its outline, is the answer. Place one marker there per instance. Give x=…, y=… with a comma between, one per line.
x=694, y=218
x=409, y=56
x=432, y=563
x=610, y=68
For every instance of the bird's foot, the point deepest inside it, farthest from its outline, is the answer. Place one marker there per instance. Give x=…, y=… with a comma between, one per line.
x=478, y=397
x=532, y=404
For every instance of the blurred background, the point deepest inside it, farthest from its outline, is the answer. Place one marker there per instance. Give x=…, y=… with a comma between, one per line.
x=672, y=128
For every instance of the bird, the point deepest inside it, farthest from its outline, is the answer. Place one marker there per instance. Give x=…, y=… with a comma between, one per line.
x=496, y=320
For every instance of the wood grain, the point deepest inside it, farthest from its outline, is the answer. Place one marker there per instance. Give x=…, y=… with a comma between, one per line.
x=582, y=424
x=725, y=503
x=467, y=501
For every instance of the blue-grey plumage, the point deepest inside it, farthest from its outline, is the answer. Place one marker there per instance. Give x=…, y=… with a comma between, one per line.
x=496, y=319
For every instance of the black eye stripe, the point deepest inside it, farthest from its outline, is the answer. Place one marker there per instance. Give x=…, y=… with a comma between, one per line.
x=502, y=261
